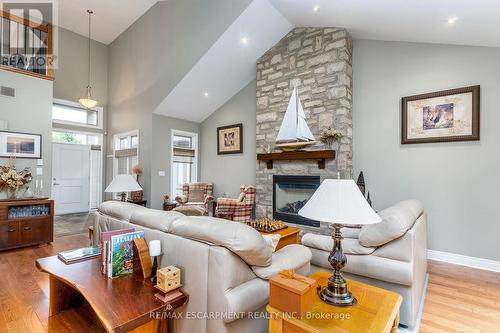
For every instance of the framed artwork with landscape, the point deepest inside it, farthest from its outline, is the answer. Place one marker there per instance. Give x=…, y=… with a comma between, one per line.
x=20, y=145
x=443, y=116
x=230, y=139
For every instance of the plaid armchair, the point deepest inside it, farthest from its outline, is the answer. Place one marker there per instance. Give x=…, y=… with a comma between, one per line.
x=241, y=208
x=196, y=194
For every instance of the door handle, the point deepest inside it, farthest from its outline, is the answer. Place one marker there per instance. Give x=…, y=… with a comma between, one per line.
x=26, y=228
x=11, y=230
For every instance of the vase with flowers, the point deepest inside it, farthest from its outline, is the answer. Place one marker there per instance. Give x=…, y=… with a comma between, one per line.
x=12, y=180
x=137, y=195
x=329, y=136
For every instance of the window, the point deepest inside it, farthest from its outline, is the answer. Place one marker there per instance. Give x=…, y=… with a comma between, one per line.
x=184, y=160
x=59, y=136
x=64, y=112
x=126, y=154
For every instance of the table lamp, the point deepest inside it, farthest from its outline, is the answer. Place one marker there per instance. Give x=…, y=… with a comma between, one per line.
x=338, y=202
x=123, y=184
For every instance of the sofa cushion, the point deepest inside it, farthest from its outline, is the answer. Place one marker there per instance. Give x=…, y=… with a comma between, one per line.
x=155, y=219
x=325, y=243
x=119, y=209
x=293, y=256
x=239, y=238
x=196, y=195
x=396, y=221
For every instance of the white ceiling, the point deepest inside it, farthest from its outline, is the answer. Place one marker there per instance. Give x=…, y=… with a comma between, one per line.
x=478, y=21
x=110, y=19
x=228, y=66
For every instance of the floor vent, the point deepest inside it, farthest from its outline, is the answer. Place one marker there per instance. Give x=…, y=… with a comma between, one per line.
x=7, y=91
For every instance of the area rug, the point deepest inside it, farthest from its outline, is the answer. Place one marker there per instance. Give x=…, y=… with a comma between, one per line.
x=416, y=329
x=71, y=224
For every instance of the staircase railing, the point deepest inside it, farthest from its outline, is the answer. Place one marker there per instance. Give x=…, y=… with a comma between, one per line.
x=25, y=46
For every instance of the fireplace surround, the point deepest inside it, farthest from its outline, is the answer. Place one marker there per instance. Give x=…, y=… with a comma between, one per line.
x=290, y=194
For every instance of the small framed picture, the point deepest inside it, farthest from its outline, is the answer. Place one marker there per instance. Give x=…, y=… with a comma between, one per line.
x=443, y=116
x=20, y=145
x=230, y=139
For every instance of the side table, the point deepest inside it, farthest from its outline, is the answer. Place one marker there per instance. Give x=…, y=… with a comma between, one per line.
x=288, y=235
x=138, y=202
x=377, y=310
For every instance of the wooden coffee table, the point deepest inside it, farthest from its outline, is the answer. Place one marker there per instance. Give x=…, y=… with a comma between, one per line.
x=377, y=311
x=288, y=235
x=80, y=293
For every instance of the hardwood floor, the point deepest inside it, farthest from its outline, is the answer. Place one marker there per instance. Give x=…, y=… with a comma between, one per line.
x=459, y=299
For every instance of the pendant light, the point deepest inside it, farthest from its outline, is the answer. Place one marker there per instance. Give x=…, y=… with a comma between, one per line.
x=87, y=101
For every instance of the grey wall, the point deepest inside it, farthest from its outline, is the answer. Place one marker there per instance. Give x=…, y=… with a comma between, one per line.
x=71, y=74
x=161, y=156
x=457, y=182
x=151, y=57
x=229, y=172
x=30, y=111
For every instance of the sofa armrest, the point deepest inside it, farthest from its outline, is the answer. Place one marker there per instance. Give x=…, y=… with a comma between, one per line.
x=407, y=247
x=296, y=257
x=208, y=199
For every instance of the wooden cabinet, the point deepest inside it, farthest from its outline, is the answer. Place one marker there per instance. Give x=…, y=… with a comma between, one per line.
x=26, y=222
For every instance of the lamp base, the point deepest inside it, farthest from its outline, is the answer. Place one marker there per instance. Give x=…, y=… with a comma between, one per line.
x=336, y=298
x=336, y=292
x=123, y=196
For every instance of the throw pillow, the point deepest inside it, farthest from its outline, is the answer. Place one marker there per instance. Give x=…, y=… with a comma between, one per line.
x=272, y=241
x=196, y=195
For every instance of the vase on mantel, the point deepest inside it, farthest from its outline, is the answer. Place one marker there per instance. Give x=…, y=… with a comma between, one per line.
x=11, y=193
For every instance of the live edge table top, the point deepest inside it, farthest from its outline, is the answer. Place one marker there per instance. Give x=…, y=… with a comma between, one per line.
x=120, y=304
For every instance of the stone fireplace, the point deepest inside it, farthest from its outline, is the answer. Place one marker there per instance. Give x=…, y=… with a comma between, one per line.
x=319, y=62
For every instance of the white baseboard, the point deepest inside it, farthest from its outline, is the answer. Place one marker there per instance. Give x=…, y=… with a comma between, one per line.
x=458, y=259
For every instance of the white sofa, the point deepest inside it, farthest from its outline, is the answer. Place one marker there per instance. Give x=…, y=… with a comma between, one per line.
x=391, y=255
x=225, y=265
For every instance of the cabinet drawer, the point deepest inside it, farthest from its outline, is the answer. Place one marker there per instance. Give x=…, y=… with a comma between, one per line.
x=35, y=231
x=9, y=234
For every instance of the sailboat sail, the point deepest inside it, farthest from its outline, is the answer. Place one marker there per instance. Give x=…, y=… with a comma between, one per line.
x=294, y=127
x=288, y=127
x=303, y=131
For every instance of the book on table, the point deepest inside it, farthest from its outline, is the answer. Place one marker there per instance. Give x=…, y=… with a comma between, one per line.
x=121, y=253
x=105, y=240
x=72, y=256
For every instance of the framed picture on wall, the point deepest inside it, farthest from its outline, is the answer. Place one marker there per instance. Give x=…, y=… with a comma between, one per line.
x=230, y=139
x=443, y=116
x=20, y=145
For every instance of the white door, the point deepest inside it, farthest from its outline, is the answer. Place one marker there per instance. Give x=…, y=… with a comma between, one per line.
x=70, y=178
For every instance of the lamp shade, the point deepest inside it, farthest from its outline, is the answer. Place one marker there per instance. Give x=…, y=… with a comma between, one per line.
x=123, y=183
x=339, y=201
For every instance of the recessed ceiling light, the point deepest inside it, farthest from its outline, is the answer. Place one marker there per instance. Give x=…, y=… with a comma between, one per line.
x=452, y=20
x=244, y=40
x=316, y=8
x=205, y=94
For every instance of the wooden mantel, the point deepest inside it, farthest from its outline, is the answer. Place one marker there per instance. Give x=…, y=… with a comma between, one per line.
x=320, y=155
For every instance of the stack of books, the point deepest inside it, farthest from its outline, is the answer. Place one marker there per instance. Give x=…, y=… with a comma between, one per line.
x=118, y=251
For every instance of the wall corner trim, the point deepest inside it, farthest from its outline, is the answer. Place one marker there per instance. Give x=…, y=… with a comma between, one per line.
x=458, y=259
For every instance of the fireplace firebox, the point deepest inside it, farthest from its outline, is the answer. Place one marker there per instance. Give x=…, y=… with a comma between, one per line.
x=290, y=194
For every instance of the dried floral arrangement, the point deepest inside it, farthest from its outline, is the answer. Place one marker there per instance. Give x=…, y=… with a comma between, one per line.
x=329, y=136
x=11, y=179
x=137, y=169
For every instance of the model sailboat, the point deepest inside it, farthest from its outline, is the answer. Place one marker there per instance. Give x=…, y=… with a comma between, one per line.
x=294, y=133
